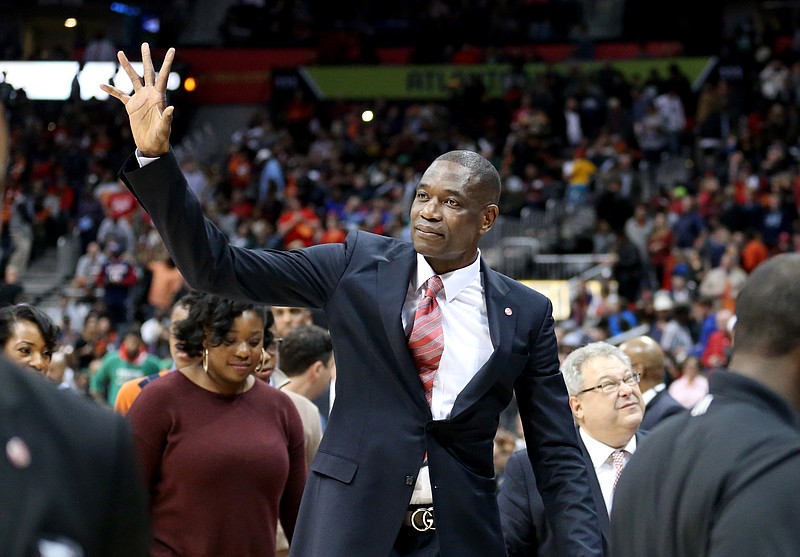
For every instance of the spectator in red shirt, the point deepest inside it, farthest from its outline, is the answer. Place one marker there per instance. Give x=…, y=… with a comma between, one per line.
x=716, y=354
x=298, y=225
x=754, y=252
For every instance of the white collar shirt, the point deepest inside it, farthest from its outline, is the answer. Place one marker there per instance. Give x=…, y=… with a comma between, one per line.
x=603, y=462
x=467, y=344
x=650, y=394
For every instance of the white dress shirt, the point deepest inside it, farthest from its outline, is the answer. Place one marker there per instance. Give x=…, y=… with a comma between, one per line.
x=650, y=394
x=603, y=462
x=467, y=344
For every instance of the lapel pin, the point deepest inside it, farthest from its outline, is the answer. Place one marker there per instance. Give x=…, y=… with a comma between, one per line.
x=18, y=453
x=509, y=311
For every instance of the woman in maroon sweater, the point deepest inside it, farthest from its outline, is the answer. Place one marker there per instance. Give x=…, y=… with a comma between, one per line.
x=223, y=453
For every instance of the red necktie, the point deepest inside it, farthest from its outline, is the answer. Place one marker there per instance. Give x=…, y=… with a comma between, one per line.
x=426, y=341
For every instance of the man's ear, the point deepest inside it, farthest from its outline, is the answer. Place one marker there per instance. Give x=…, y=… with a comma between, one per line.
x=576, y=407
x=490, y=213
x=314, y=370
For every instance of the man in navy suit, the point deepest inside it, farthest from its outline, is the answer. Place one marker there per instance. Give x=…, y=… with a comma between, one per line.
x=607, y=405
x=395, y=474
x=647, y=358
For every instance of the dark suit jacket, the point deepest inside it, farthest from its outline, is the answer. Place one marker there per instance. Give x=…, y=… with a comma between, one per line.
x=660, y=408
x=522, y=515
x=81, y=485
x=363, y=475
x=720, y=481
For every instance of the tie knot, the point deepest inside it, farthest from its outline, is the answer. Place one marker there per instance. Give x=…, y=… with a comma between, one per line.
x=619, y=457
x=433, y=286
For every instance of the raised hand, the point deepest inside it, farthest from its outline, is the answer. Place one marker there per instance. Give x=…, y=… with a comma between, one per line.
x=149, y=115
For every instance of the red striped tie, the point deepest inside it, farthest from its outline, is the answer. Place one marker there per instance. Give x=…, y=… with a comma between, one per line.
x=427, y=336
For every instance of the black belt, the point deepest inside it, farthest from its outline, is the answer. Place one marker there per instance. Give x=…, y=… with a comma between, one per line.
x=420, y=518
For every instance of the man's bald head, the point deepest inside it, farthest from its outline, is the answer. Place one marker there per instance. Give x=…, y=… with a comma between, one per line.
x=647, y=358
x=766, y=337
x=767, y=316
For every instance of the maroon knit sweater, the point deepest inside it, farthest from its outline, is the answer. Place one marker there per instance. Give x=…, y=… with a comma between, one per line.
x=221, y=469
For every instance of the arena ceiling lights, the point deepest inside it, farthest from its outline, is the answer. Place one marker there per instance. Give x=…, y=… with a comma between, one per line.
x=54, y=81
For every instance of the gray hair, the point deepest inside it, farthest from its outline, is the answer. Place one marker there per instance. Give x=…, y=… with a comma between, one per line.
x=571, y=368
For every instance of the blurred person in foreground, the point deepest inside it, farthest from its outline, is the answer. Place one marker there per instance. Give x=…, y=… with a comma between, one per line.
x=222, y=452
x=723, y=479
x=69, y=484
x=608, y=408
x=405, y=467
x=28, y=337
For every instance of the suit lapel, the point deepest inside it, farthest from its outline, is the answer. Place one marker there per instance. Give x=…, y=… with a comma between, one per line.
x=501, y=328
x=394, y=275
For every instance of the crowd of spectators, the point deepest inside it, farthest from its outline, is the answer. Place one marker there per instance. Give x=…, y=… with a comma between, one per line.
x=305, y=172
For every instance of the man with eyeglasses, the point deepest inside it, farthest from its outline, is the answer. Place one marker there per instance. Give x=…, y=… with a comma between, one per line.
x=607, y=406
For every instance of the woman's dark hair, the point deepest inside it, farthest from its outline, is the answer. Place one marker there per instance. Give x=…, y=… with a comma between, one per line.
x=213, y=316
x=11, y=315
x=269, y=321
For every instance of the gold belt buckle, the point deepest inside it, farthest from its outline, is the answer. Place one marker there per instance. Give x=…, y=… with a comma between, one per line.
x=425, y=516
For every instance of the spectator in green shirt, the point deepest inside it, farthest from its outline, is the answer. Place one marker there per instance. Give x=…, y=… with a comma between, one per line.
x=131, y=361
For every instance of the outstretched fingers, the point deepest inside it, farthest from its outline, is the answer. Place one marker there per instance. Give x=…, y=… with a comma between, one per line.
x=163, y=73
x=147, y=63
x=116, y=93
x=132, y=75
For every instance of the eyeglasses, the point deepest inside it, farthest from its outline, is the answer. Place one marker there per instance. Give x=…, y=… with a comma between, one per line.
x=273, y=346
x=610, y=386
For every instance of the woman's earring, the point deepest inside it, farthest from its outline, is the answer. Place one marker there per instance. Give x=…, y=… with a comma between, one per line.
x=205, y=360
x=262, y=363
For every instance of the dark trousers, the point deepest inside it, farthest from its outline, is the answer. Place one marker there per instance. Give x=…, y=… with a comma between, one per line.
x=410, y=543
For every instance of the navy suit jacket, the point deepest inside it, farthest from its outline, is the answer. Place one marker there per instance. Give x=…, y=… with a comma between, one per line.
x=362, y=477
x=80, y=486
x=522, y=514
x=659, y=409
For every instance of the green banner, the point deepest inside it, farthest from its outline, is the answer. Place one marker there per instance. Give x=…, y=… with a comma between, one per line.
x=436, y=82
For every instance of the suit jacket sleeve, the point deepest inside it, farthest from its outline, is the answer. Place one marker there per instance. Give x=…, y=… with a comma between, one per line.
x=520, y=527
x=559, y=467
x=206, y=260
